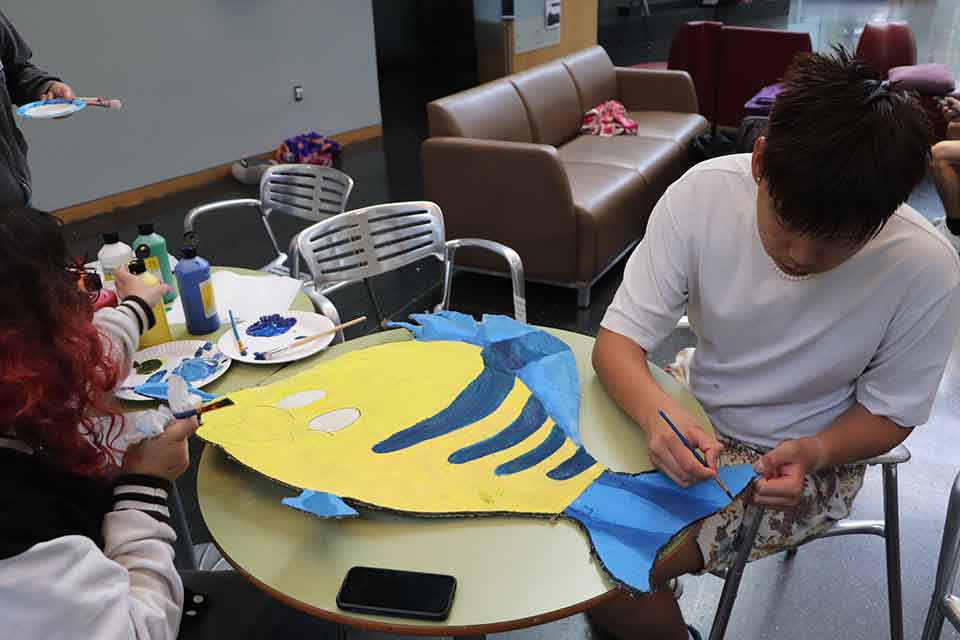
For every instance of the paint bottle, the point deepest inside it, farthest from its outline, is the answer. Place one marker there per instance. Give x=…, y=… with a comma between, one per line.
x=160, y=332
x=151, y=247
x=113, y=255
x=196, y=293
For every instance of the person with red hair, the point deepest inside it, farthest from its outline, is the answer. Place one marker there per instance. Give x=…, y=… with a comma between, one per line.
x=85, y=535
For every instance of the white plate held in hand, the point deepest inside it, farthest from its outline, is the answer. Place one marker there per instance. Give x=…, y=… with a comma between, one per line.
x=307, y=325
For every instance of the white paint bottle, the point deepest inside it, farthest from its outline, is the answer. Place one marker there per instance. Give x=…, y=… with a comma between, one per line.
x=113, y=255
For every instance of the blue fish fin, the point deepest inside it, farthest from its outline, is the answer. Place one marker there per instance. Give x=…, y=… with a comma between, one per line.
x=629, y=518
x=322, y=505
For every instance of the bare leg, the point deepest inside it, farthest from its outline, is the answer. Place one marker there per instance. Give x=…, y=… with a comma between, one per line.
x=655, y=616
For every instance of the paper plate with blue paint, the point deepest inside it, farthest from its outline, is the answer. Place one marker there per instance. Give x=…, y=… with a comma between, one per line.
x=196, y=361
x=274, y=331
x=49, y=109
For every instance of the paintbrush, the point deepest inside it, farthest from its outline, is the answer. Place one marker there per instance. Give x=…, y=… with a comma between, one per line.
x=693, y=450
x=213, y=406
x=236, y=334
x=109, y=103
x=266, y=355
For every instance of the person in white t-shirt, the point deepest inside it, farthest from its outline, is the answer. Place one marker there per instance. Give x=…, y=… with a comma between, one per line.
x=824, y=309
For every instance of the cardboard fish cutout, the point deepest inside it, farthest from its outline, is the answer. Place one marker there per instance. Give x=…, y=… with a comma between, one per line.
x=468, y=419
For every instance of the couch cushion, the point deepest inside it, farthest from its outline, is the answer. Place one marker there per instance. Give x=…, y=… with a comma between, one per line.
x=612, y=205
x=659, y=160
x=492, y=111
x=682, y=128
x=593, y=74
x=552, y=103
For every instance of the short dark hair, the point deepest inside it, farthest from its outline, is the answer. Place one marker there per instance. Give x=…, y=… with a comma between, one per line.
x=843, y=149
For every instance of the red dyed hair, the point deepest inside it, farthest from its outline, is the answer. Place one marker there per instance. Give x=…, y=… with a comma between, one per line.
x=55, y=373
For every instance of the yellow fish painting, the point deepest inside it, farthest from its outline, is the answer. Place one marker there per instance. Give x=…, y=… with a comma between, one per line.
x=469, y=418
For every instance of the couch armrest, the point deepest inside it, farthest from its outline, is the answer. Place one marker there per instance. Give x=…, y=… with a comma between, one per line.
x=656, y=90
x=515, y=193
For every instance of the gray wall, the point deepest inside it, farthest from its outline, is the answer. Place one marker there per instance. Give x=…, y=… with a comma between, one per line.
x=203, y=82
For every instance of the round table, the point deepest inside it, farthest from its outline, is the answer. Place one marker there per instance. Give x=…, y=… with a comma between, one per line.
x=511, y=572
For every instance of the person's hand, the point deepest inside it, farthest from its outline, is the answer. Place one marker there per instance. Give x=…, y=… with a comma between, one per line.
x=671, y=456
x=130, y=285
x=949, y=108
x=783, y=470
x=58, y=90
x=165, y=456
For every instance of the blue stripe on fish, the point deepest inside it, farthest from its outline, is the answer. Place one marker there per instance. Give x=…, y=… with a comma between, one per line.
x=478, y=400
x=536, y=455
x=572, y=466
x=531, y=418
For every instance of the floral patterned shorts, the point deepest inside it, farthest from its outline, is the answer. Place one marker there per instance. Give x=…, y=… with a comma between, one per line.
x=827, y=497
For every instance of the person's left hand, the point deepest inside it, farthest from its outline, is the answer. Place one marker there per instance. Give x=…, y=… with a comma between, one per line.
x=783, y=470
x=58, y=90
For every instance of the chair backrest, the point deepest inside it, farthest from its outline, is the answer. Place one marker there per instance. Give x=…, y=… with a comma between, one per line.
x=750, y=59
x=885, y=45
x=694, y=50
x=307, y=191
x=370, y=241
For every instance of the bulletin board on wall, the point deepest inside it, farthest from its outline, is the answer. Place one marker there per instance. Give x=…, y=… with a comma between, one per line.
x=544, y=30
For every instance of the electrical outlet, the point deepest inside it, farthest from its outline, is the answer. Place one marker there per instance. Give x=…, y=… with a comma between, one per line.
x=297, y=93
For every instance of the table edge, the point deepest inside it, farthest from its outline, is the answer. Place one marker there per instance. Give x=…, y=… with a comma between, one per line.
x=419, y=630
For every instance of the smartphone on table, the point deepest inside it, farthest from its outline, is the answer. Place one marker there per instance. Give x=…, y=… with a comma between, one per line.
x=390, y=592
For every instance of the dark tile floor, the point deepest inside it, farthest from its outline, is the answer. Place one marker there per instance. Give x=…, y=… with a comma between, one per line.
x=833, y=588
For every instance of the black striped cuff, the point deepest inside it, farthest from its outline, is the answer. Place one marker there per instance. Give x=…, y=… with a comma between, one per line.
x=143, y=493
x=141, y=311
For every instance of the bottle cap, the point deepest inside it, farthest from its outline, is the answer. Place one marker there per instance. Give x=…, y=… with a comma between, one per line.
x=136, y=267
x=142, y=251
x=188, y=251
x=145, y=229
x=111, y=237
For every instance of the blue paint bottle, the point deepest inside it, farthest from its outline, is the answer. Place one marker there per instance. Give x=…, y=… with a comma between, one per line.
x=196, y=293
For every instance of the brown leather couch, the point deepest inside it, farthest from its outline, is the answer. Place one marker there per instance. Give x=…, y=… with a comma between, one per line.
x=505, y=161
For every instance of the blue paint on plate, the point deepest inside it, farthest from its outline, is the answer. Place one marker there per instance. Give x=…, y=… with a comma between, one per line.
x=271, y=326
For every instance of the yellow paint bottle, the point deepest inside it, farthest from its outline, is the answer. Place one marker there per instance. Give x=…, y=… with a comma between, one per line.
x=160, y=332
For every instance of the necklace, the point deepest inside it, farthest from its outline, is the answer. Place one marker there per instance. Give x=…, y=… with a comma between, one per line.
x=787, y=276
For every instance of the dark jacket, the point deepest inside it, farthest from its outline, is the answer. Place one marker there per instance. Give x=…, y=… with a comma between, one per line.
x=20, y=83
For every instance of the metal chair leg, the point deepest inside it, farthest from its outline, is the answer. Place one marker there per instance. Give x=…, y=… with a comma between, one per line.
x=947, y=565
x=752, y=517
x=891, y=514
x=374, y=301
x=184, y=558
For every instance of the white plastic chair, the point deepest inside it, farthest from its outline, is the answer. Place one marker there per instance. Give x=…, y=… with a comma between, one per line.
x=363, y=243
x=306, y=191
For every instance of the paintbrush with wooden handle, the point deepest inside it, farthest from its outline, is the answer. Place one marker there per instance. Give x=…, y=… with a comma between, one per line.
x=109, y=103
x=266, y=355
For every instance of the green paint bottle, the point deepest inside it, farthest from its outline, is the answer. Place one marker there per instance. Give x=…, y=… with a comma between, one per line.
x=155, y=256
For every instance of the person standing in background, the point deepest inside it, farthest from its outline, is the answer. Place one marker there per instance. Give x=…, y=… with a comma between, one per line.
x=20, y=82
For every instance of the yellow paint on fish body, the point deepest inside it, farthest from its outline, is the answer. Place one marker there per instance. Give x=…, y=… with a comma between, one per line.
x=393, y=386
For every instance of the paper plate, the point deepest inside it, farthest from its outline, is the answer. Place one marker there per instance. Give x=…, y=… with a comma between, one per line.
x=307, y=324
x=47, y=109
x=155, y=364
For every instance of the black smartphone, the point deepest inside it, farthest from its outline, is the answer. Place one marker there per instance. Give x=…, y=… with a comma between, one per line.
x=406, y=594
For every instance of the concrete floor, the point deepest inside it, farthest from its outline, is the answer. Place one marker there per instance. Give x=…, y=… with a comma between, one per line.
x=832, y=588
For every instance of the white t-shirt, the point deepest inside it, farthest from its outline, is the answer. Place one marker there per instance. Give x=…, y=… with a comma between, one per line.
x=781, y=358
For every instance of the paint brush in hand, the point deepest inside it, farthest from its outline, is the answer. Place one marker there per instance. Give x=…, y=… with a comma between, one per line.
x=693, y=450
x=109, y=103
x=236, y=334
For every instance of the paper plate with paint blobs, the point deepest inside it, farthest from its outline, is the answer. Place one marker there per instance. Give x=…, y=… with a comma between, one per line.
x=274, y=331
x=196, y=361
